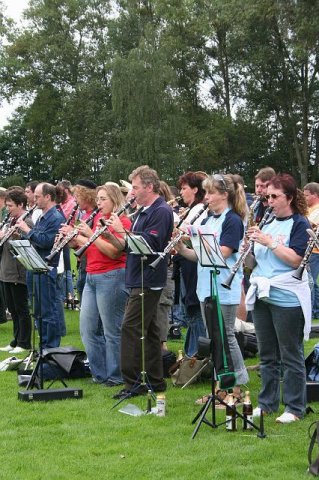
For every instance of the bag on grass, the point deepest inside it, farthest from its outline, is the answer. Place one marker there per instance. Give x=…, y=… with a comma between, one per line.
x=64, y=362
x=169, y=359
x=314, y=440
x=186, y=369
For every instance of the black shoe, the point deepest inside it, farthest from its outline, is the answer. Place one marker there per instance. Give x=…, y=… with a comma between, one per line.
x=110, y=383
x=124, y=394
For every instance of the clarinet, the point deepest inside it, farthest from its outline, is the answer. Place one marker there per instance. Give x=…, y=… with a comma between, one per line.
x=242, y=258
x=175, y=240
x=67, y=238
x=5, y=221
x=12, y=228
x=305, y=260
x=101, y=230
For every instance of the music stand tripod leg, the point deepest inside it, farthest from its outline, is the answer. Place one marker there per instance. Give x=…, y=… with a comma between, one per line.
x=29, y=359
x=142, y=380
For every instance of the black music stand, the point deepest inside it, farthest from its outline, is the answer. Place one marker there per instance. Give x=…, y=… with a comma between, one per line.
x=209, y=255
x=139, y=246
x=26, y=254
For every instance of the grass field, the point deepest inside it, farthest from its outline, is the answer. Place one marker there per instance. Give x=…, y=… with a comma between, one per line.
x=86, y=439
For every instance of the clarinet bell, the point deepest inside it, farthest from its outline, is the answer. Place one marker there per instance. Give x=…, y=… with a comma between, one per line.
x=229, y=281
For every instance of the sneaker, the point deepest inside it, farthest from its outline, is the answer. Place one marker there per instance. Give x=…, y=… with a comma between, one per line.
x=17, y=350
x=287, y=417
x=257, y=412
x=7, y=348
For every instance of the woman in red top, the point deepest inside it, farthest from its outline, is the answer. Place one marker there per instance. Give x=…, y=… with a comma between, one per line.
x=104, y=296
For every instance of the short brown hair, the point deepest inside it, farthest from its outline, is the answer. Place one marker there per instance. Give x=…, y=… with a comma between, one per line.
x=265, y=174
x=148, y=176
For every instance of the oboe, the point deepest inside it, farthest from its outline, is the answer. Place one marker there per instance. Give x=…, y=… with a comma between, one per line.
x=175, y=240
x=67, y=238
x=242, y=258
x=305, y=260
x=101, y=230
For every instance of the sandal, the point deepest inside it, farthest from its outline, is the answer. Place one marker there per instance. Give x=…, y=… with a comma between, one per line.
x=238, y=400
x=202, y=400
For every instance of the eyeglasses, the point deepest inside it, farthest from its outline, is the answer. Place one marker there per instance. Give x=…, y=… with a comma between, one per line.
x=101, y=199
x=220, y=178
x=274, y=195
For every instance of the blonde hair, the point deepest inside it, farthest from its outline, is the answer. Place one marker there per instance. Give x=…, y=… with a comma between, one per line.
x=113, y=191
x=235, y=191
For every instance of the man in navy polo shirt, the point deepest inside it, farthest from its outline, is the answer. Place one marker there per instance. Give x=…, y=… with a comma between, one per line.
x=155, y=224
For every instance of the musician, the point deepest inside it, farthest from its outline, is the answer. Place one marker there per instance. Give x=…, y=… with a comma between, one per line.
x=68, y=203
x=3, y=215
x=192, y=193
x=29, y=191
x=262, y=179
x=104, y=295
x=282, y=307
x=227, y=210
x=42, y=237
x=311, y=192
x=155, y=224
x=84, y=193
x=13, y=276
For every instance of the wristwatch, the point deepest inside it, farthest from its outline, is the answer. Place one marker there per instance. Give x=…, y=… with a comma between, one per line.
x=273, y=245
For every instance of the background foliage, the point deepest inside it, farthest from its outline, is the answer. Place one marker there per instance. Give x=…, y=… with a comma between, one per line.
x=226, y=85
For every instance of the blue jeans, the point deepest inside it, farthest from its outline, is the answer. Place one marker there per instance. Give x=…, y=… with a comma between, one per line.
x=60, y=304
x=67, y=284
x=314, y=268
x=45, y=304
x=279, y=333
x=196, y=328
x=102, y=310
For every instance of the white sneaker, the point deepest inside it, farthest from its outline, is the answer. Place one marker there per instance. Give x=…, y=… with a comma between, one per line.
x=287, y=417
x=257, y=412
x=17, y=350
x=7, y=348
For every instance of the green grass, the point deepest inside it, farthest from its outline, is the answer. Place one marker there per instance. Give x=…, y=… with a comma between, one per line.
x=85, y=439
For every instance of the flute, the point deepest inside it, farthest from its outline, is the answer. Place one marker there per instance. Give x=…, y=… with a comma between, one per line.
x=242, y=258
x=101, y=230
x=175, y=240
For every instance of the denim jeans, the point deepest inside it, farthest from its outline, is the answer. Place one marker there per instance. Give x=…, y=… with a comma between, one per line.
x=67, y=284
x=45, y=305
x=102, y=310
x=314, y=268
x=279, y=333
x=60, y=304
x=196, y=328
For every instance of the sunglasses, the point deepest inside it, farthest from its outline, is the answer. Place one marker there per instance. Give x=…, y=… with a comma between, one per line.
x=274, y=196
x=220, y=178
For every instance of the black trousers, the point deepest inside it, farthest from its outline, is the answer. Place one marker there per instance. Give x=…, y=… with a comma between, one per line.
x=16, y=295
x=131, y=346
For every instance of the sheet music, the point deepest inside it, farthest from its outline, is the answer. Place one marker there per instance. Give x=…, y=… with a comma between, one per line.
x=139, y=245
x=206, y=247
x=26, y=254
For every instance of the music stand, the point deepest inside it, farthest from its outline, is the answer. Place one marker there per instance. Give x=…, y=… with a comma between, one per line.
x=139, y=246
x=209, y=255
x=26, y=254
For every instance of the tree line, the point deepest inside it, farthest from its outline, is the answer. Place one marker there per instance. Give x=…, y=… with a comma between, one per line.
x=212, y=85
